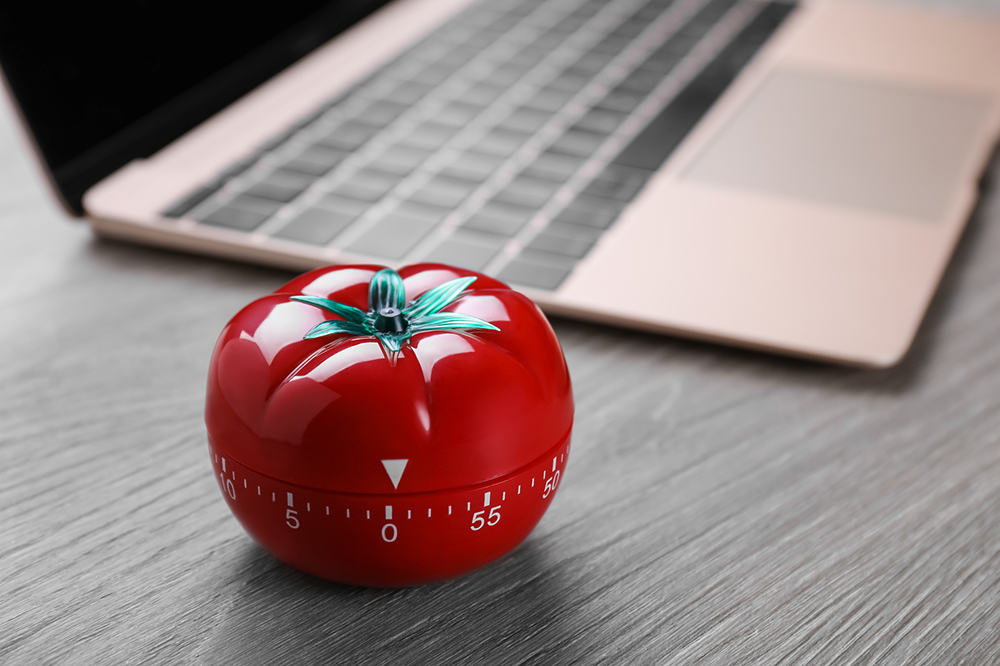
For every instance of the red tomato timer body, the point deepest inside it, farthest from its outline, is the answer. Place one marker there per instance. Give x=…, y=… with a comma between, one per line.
x=382, y=428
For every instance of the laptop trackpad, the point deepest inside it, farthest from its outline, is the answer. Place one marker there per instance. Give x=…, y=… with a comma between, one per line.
x=851, y=142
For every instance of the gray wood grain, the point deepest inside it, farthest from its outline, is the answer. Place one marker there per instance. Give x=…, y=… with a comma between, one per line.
x=720, y=506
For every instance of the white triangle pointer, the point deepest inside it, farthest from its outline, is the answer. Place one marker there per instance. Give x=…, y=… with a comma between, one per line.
x=394, y=468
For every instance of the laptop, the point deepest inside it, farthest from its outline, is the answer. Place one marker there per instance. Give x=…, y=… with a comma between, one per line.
x=785, y=177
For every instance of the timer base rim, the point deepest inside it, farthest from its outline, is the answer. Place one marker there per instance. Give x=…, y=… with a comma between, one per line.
x=393, y=539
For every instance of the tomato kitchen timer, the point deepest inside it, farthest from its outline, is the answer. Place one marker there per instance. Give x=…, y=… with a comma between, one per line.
x=389, y=429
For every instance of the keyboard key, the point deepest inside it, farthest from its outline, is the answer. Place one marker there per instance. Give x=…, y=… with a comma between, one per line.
x=444, y=191
x=501, y=142
x=315, y=226
x=618, y=182
x=601, y=121
x=500, y=218
x=472, y=165
x=423, y=211
x=471, y=251
x=593, y=62
x=183, y=206
x=554, y=166
x=591, y=212
x=548, y=99
x=642, y=81
x=629, y=29
x=281, y=186
x=580, y=143
x=458, y=114
x=537, y=269
x=348, y=136
x=559, y=244
x=244, y=213
x=399, y=159
x=380, y=113
x=315, y=160
x=408, y=92
x=483, y=93
x=530, y=192
x=569, y=230
x=235, y=218
x=620, y=100
x=352, y=207
x=503, y=22
x=250, y=202
x=367, y=185
x=403, y=69
x=651, y=12
x=393, y=236
x=429, y=136
x=571, y=23
x=526, y=119
x=528, y=58
x=506, y=75
x=452, y=33
x=459, y=55
x=611, y=45
x=549, y=39
x=571, y=81
x=433, y=75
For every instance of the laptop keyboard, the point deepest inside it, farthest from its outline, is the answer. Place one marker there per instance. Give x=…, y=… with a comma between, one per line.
x=507, y=141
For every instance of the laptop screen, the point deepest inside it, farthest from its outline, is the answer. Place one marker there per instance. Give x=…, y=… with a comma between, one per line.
x=100, y=85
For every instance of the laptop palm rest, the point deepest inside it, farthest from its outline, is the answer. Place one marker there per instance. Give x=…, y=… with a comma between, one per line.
x=852, y=142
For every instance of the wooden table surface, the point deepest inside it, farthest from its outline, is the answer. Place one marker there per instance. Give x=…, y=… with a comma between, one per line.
x=720, y=506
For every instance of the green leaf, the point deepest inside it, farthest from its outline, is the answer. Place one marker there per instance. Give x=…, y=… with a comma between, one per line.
x=386, y=290
x=449, y=321
x=333, y=327
x=392, y=342
x=346, y=311
x=437, y=298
